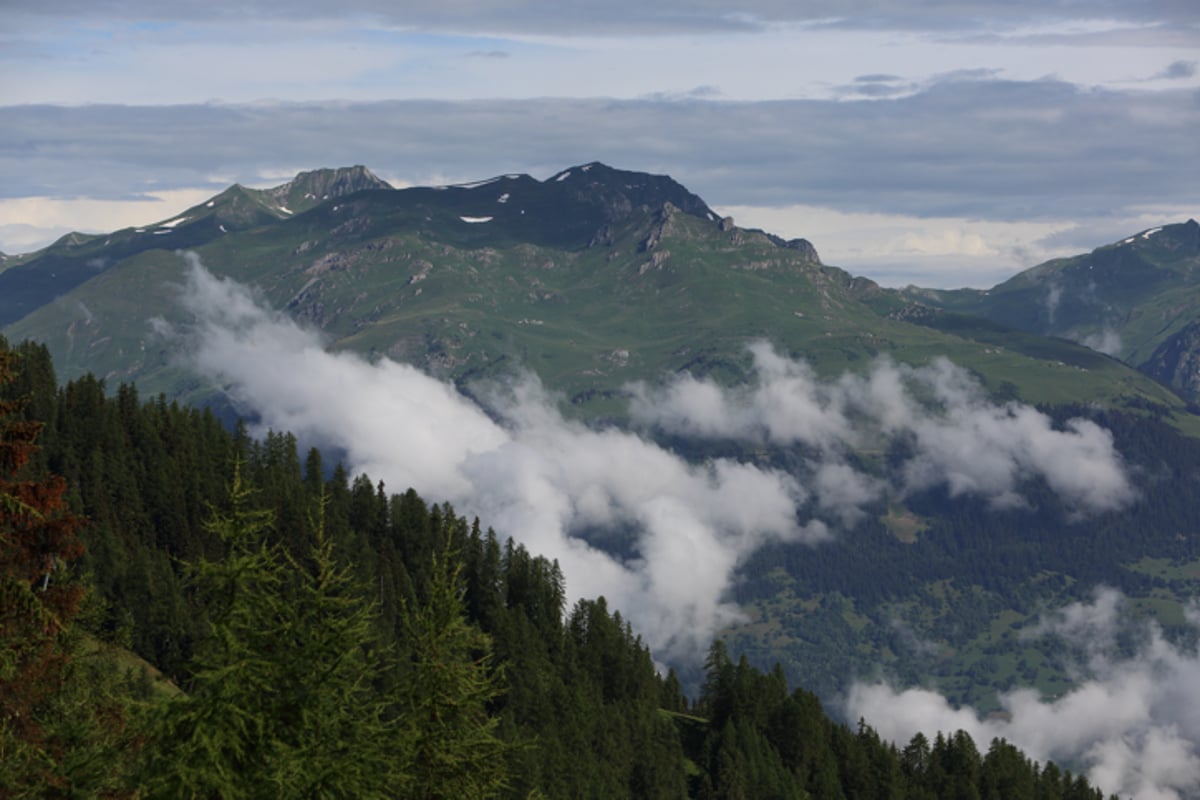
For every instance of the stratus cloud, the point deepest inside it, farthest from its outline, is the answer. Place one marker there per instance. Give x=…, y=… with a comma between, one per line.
x=1132, y=723
x=550, y=483
x=960, y=439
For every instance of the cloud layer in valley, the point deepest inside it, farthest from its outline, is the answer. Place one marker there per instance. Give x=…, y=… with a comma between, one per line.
x=578, y=494
x=534, y=475
x=959, y=438
x=1131, y=723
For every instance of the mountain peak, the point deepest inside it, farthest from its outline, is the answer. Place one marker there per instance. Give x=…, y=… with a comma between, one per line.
x=620, y=191
x=308, y=189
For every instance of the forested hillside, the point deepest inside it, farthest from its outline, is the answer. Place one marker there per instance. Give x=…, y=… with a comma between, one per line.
x=190, y=612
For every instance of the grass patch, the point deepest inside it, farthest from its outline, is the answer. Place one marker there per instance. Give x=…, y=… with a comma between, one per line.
x=904, y=524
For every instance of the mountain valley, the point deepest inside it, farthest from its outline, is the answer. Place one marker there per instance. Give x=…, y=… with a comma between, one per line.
x=617, y=288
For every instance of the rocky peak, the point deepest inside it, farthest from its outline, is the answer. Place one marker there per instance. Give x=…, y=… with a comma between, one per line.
x=311, y=188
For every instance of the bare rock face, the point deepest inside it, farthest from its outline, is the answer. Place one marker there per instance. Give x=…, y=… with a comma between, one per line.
x=802, y=246
x=805, y=248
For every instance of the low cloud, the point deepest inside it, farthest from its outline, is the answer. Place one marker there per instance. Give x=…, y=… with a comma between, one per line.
x=1106, y=341
x=547, y=481
x=959, y=439
x=1053, y=298
x=1131, y=723
x=660, y=537
x=877, y=86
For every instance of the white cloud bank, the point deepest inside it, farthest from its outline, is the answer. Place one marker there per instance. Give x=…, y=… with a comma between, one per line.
x=532, y=475
x=959, y=439
x=561, y=488
x=1133, y=723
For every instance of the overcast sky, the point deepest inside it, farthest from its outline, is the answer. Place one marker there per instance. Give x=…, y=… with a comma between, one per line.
x=941, y=143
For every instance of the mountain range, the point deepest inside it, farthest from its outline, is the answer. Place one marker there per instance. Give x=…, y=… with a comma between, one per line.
x=592, y=278
x=605, y=282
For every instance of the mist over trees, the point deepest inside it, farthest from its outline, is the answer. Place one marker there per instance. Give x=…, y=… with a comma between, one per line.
x=191, y=612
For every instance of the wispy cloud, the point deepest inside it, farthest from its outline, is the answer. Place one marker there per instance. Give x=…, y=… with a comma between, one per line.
x=960, y=440
x=532, y=474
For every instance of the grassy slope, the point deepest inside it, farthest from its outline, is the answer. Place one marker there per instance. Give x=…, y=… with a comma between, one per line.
x=1143, y=288
x=415, y=282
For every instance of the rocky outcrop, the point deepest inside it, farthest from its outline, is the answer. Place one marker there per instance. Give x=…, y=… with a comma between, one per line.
x=308, y=189
x=802, y=246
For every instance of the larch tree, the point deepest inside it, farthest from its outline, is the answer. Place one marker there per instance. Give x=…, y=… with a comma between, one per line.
x=283, y=700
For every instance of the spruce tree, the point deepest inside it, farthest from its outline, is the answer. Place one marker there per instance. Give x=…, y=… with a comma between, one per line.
x=451, y=682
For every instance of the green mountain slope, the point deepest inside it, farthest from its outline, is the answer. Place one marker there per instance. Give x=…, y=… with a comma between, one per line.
x=39, y=278
x=1137, y=299
x=592, y=278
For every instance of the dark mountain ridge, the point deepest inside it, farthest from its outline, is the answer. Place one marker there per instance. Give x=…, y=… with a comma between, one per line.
x=1137, y=299
x=576, y=207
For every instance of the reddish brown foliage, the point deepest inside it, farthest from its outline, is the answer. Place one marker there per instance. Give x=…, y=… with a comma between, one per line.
x=38, y=536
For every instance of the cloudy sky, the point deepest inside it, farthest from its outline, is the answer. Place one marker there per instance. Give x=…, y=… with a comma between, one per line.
x=942, y=143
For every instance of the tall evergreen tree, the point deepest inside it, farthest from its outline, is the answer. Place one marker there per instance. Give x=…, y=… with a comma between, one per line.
x=451, y=682
x=282, y=702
